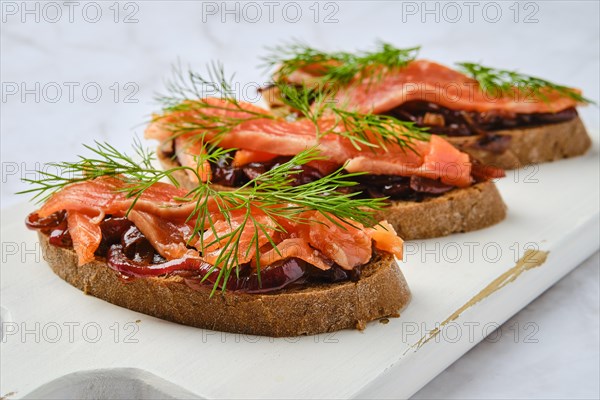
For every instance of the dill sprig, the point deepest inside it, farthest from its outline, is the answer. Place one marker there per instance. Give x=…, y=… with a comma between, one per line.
x=188, y=84
x=271, y=194
x=105, y=161
x=201, y=123
x=377, y=131
x=503, y=82
x=369, y=130
x=187, y=105
x=338, y=68
x=311, y=102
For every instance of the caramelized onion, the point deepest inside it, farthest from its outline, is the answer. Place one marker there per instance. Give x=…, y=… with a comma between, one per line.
x=226, y=174
x=274, y=277
x=35, y=222
x=112, y=229
x=288, y=272
x=54, y=225
x=467, y=123
x=118, y=261
x=136, y=247
x=426, y=185
x=60, y=236
x=198, y=274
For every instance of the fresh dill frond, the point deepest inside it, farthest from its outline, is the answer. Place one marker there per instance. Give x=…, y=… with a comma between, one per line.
x=188, y=84
x=310, y=101
x=339, y=67
x=202, y=118
x=503, y=82
x=105, y=160
x=372, y=131
x=203, y=103
x=377, y=131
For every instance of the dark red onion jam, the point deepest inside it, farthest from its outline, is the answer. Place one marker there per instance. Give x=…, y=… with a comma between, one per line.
x=55, y=226
x=444, y=121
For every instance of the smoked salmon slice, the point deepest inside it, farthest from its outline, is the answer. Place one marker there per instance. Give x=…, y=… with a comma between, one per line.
x=434, y=159
x=86, y=235
x=246, y=239
x=432, y=82
x=295, y=248
x=102, y=196
x=321, y=240
x=243, y=157
x=168, y=237
x=385, y=238
x=346, y=244
x=187, y=153
x=288, y=138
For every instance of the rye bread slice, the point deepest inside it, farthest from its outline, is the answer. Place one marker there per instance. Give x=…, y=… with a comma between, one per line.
x=314, y=308
x=460, y=210
x=531, y=145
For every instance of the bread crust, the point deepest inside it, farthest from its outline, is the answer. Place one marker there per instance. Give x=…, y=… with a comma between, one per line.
x=460, y=210
x=532, y=145
x=527, y=146
x=381, y=292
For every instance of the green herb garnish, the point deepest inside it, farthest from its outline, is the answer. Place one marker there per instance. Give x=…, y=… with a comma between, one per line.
x=372, y=131
x=503, y=82
x=337, y=68
x=192, y=93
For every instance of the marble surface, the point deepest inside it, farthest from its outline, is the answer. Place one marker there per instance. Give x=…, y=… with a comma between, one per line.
x=54, y=60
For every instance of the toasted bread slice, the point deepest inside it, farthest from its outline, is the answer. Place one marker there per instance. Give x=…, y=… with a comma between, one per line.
x=527, y=146
x=310, y=309
x=460, y=210
x=531, y=145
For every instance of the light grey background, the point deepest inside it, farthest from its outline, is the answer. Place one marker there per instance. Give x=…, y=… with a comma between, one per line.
x=47, y=48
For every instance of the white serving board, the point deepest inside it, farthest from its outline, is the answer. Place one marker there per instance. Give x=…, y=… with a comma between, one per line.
x=553, y=208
